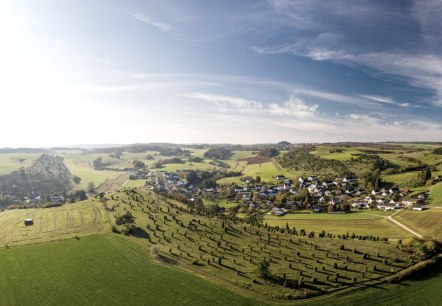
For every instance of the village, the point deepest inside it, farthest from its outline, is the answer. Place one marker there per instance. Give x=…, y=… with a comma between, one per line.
x=306, y=194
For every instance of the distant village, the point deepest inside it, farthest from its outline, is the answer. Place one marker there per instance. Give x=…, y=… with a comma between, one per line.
x=337, y=195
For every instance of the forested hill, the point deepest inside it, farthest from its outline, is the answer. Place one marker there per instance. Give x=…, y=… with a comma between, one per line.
x=47, y=175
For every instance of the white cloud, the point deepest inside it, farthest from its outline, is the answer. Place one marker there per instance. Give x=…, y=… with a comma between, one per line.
x=294, y=107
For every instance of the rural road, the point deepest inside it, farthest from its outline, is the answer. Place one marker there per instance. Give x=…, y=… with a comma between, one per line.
x=402, y=225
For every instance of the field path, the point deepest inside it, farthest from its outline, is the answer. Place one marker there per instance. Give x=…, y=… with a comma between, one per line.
x=402, y=225
x=277, y=165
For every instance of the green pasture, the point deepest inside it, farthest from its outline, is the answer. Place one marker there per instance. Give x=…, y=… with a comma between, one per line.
x=266, y=171
x=436, y=195
x=327, y=152
x=187, y=166
x=100, y=270
x=241, y=154
x=13, y=162
x=401, y=178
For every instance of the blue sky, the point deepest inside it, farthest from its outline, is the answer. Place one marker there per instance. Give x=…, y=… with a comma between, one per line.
x=219, y=71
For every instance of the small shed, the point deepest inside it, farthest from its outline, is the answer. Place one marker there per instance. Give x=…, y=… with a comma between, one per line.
x=29, y=222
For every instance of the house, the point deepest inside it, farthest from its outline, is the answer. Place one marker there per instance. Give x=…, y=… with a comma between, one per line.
x=319, y=208
x=418, y=207
x=404, y=191
x=276, y=211
x=280, y=177
x=411, y=201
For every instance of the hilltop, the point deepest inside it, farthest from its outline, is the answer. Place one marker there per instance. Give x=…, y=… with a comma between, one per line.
x=47, y=175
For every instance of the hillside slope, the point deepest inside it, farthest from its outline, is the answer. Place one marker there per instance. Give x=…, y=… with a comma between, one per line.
x=48, y=174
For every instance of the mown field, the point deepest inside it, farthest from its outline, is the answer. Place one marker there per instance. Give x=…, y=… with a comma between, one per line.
x=67, y=221
x=341, y=224
x=428, y=223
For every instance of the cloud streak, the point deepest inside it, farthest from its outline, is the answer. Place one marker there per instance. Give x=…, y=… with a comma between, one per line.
x=150, y=21
x=293, y=107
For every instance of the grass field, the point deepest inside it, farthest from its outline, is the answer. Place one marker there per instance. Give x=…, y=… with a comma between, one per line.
x=428, y=222
x=134, y=183
x=421, y=290
x=13, y=162
x=231, y=250
x=339, y=224
x=328, y=152
x=266, y=171
x=110, y=269
x=400, y=178
x=100, y=270
x=70, y=220
x=436, y=195
x=81, y=166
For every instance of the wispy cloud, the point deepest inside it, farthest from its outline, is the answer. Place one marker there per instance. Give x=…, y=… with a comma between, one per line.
x=293, y=107
x=226, y=103
x=388, y=100
x=149, y=20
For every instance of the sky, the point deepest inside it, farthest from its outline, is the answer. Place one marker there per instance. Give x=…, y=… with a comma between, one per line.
x=197, y=71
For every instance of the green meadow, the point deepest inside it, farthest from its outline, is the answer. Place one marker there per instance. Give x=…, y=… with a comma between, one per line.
x=101, y=270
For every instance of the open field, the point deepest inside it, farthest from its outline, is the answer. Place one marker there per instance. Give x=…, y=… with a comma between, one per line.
x=63, y=222
x=112, y=184
x=436, y=195
x=329, y=152
x=421, y=290
x=339, y=224
x=81, y=166
x=427, y=223
x=401, y=178
x=187, y=166
x=354, y=215
x=100, y=270
x=135, y=183
x=266, y=171
x=13, y=162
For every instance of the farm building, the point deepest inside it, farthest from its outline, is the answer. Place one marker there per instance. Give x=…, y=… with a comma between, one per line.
x=29, y=222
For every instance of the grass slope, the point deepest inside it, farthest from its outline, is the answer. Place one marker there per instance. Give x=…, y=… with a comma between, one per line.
x=422, y=290
x=427, y=222
x=100, y=270
x=436, y=195
x=230, y=251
